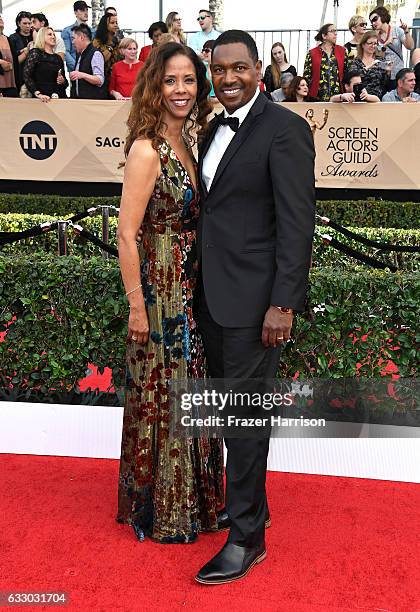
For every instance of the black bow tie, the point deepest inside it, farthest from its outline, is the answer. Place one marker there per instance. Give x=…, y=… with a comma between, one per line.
x=232, y=122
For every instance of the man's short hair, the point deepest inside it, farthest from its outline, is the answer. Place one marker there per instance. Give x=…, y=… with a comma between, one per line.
x=401, y=74
x=348, y=76
x=207, y=12
x=41, y=17
x=238, y=36
x=286, y=77
x=82, y=28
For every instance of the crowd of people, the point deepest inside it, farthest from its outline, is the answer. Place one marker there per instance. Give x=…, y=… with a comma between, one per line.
x=103, y=63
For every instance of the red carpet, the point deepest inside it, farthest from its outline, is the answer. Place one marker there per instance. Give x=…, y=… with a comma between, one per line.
x=336, y=544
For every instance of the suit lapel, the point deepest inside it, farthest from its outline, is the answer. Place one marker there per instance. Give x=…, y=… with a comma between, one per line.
x=241, y=135
x=203, y=148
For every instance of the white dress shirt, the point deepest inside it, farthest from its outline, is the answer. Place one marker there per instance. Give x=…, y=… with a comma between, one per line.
x=221, y=141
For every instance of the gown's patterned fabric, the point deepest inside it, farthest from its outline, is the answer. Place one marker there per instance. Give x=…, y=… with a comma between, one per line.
x=169, y=489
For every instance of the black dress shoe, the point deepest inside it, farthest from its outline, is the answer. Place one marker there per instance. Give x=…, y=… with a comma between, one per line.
x=231, y=563
x=224, y=522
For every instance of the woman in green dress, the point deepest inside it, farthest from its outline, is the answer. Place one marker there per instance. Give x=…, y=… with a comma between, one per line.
x=169, y=489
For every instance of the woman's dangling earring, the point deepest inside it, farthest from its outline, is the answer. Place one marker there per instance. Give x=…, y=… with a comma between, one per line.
x=194, y=112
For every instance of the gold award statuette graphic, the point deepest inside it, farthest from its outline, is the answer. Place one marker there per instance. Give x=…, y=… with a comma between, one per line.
x=313, y=123
x=316, y=125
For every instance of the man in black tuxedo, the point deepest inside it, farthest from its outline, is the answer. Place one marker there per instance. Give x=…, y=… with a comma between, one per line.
x=256, y=175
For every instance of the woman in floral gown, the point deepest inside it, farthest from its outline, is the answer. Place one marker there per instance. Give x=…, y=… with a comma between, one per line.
x=169, y=489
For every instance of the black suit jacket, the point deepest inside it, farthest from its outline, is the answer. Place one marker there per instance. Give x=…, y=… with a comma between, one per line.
x=257, y=221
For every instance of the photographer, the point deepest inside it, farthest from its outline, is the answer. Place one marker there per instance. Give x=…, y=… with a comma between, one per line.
x=354, y=90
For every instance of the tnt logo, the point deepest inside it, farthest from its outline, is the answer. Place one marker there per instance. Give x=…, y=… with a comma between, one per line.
x=38, y=140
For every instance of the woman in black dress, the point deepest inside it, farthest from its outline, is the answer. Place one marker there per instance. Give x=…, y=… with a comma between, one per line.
x=44, y=69
x=375, y=73
x=279, y=65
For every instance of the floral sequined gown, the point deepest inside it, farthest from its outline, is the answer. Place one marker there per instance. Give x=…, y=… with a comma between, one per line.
x=169, y=489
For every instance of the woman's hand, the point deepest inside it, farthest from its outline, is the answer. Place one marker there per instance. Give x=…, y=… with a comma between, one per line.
x=117, y=95
x=7, y=66
x=138, y=324
x=60, y=79
x=43, y=98
x=404, y=26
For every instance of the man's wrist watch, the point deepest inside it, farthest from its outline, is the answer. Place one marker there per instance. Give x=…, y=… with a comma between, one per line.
x=285, y=310
x=37, y=94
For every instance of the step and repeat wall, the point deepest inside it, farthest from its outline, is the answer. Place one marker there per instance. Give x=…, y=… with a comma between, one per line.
x=361, y=146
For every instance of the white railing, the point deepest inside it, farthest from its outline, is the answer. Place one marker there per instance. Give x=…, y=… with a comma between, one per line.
x=296, y=43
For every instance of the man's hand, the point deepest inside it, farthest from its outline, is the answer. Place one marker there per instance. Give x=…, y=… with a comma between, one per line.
x=276, y=327
x=75, y=75
x=409, y=100
x=364, y=95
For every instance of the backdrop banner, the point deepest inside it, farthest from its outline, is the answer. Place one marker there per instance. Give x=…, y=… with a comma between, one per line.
x=360, y=146
x=63, y=140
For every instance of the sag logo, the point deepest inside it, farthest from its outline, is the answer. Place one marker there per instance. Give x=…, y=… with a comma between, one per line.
x=38, y=140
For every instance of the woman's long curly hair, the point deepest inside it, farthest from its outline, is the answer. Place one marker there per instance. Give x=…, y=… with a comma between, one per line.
x=102, y=29
x=146, y=116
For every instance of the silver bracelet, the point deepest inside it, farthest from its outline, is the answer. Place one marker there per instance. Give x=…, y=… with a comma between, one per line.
x=133, y=290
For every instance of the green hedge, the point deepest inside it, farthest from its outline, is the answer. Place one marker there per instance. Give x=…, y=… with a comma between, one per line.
x=55, y=205
x=323, y=255
x=369, y=213
x=72, y=311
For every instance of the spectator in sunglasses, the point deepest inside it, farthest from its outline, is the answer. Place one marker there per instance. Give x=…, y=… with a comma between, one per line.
x=325, y=65
x=20, y=44
x=196, y=41
x=206, y=54
x=357, y=26
x=391, y=40
x=174, y=24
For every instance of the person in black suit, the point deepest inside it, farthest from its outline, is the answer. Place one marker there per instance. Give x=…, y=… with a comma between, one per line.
x=256, y=176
